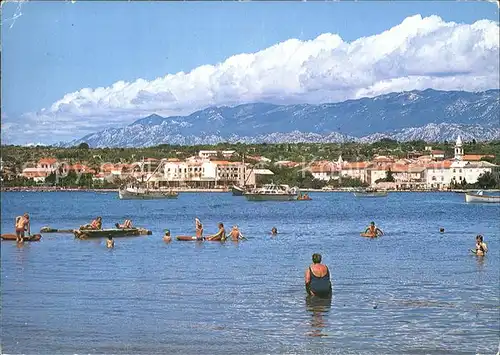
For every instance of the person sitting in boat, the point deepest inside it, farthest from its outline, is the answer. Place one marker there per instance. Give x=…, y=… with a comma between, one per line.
x=167, y=238
x=274, y=231
x=22, y=224
x=481, y=247
x=373, y=230
x=110, y=243
x=220, y=235
x=235, y=234
x=95, y=225
x=126, y=225
x=199, y=230
x=317, y=278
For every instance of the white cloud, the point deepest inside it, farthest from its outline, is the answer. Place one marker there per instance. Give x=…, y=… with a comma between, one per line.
x=419, y=53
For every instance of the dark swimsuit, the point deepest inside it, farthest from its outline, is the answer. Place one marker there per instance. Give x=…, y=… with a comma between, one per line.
x=320, y=286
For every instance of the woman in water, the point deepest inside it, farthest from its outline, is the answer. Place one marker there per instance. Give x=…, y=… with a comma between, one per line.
x=317, y=278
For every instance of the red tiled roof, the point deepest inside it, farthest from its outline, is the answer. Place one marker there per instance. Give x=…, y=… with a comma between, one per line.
x=355, y=165
x=48, y=161
x=445, y=164
x=475, y=157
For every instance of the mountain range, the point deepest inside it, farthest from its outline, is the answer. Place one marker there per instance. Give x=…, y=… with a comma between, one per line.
x=429, y=115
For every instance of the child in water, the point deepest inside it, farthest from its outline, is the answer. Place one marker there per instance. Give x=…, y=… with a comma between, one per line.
x=110, y=243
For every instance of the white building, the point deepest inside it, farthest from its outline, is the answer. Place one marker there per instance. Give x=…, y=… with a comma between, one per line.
x=463, y=169
x=207, y=153
x=438, y=175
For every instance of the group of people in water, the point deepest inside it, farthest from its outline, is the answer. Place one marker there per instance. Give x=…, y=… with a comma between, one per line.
x=316, y=278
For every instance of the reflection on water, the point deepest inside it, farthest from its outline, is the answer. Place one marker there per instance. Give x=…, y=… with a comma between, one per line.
x=319, y=308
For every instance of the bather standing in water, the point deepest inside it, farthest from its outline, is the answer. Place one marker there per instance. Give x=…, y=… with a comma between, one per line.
x=199, y=229
x=236, y=234
x=22, y=225
x=274, y=231
x=317, y=278
x=481, y=247
x=110, y=243
x=167, y=238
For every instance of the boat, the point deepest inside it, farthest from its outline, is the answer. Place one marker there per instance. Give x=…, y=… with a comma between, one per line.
x=54, y=230
x=303, y=197
x=238, y=190
x=144, y=193
x=480, y=197
x=370, y=193
x=104, y=233
x=188, y=238
x=272, y=192
x=30, y=238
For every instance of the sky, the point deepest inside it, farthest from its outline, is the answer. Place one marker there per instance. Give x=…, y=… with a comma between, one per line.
x=73, y=68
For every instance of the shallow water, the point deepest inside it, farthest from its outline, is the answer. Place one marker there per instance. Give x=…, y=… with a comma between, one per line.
x=412, y=291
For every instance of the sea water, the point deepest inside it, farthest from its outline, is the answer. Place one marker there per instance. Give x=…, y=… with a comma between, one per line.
x=414, y=290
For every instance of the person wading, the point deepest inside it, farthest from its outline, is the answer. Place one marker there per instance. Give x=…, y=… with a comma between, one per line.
x=317, y=278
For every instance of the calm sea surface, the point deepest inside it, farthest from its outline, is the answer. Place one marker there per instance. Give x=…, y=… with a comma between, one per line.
x=413, y=291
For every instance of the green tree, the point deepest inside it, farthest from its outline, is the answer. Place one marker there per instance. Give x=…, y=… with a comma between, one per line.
x=487, y=181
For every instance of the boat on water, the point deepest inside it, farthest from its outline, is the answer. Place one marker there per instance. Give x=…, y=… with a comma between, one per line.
x=370, y=193
x=238, y=190
x=480, y=197
x=272, y=192
x=115, y=233
x=27, y=238
x=144, y=193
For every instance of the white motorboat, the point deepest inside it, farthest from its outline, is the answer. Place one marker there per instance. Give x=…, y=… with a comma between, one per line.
x=480, y=197
x=272, y=192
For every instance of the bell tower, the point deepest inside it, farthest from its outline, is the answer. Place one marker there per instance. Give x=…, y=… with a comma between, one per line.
x=459, y=150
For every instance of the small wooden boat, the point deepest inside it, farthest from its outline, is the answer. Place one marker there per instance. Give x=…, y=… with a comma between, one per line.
x=115, y=233
x=31, y=238
x=370, y=193
x=132, y=193
x=187, y=238
x=480, y=197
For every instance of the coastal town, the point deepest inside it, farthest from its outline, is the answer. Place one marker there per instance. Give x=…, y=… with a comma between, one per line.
x=220, y=169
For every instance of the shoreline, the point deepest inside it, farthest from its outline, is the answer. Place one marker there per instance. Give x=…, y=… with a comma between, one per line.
x=187, y=190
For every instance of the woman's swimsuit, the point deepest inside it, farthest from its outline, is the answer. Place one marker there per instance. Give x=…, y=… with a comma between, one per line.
x=320, y=286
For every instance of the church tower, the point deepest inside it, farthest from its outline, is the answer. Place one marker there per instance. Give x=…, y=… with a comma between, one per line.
x=459, y=150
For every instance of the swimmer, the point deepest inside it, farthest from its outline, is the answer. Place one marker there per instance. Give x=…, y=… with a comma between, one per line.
x=274, y=231
x=481, y=247
x=220, y=235
x=167, y=238
x=373, y=230
x=110, y=243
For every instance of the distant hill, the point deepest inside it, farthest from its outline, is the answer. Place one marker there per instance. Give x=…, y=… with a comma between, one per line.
x=429, y=115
